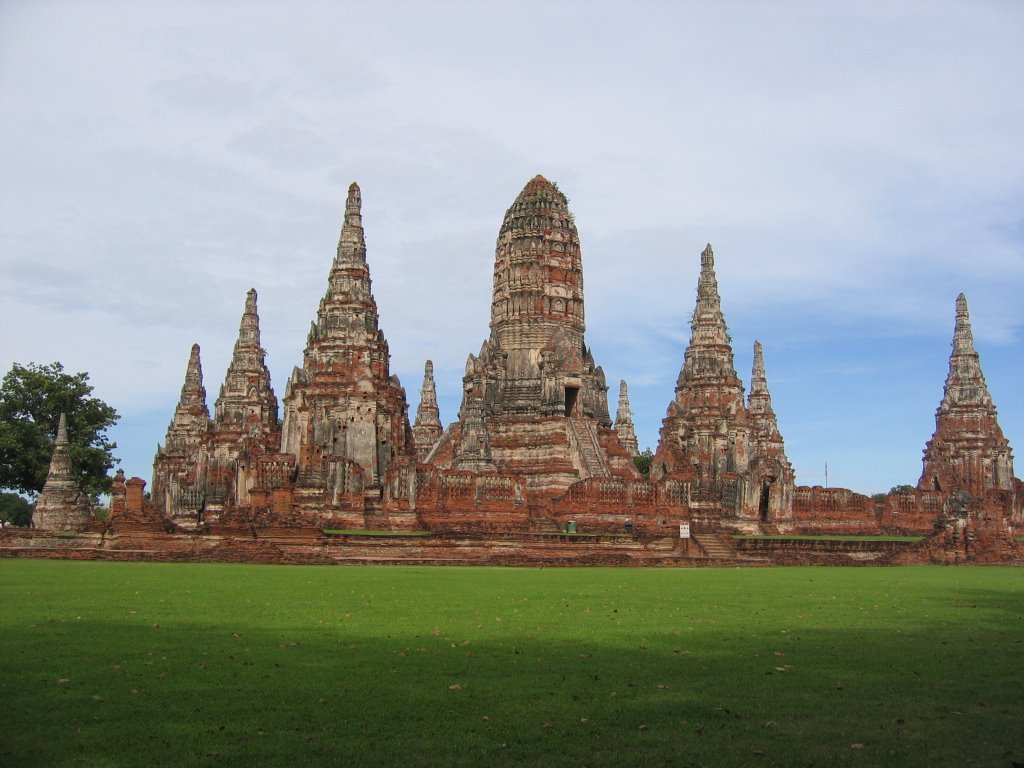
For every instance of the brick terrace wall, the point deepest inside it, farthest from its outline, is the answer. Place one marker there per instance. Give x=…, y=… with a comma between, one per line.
x=833, y=511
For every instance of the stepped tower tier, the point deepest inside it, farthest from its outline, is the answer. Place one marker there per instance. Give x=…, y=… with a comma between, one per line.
x=61, y=506
x=176, y=464
x=343, y=404
x=534, y=401
x=624, y=422
x=968, y=451
x=427, y=428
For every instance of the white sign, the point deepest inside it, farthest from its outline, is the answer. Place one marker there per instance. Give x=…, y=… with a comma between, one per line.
x=684, y=530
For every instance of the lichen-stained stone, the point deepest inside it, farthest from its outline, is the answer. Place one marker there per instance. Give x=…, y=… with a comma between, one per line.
x=345, y=416
x=968, y=451
x=61, y=506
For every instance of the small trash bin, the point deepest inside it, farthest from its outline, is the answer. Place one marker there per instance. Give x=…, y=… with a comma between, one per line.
x=570, y=527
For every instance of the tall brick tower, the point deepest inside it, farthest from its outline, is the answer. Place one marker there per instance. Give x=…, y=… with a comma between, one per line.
x=705, y=431
x=427, y=428
x=771, y=474
x=731, y=456
x=343, y=406
x=968, y=451
x=245, y=418
x=177, y=484
x=534, y=402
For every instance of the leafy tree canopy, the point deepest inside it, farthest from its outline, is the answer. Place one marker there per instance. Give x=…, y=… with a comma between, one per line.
x=643, y=461
x=32, y=398
x=15, y=509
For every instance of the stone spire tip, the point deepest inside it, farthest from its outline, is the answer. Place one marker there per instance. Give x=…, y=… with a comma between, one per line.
x=62, y=430
x=354, y=202
x=538, y=184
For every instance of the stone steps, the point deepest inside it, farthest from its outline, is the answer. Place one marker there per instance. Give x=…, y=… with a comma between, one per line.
x=715, y=546
x=592, y=456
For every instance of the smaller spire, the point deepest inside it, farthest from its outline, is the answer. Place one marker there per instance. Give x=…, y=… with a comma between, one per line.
x=759, y=402
x=59, y=475
x=191, y=417
x=767, y=440
x=193, y=393
x=427, y=428
x=246, y=396
x=758, y=380
x=963, y=337
x=968, y=450
x=624, y=422
x=965, y=382
x=351, y=242
x=60, y=505
x=709, y=354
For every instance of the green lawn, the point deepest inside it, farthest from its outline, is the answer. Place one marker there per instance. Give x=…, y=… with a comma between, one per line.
x=124, y=664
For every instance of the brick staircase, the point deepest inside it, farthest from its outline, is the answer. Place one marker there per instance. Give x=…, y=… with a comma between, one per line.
x=715, y=546
x=584, y=436
x=373, y=511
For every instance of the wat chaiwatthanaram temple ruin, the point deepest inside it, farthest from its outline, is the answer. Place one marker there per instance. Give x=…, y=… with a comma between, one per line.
x=534, y=469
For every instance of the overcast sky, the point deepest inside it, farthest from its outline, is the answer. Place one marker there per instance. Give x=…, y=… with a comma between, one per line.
x=855, y=165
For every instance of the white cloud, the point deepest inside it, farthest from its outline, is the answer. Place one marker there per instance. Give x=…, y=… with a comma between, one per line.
x=854, y=166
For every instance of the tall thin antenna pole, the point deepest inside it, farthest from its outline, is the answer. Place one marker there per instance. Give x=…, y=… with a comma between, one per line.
x=826, y=474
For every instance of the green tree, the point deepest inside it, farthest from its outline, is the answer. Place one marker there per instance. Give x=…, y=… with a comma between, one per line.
x=15, y=509
x=32, y=398
x=643, y=462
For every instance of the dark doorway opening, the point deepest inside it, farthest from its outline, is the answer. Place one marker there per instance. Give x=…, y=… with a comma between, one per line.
x=766, y=497
x=571, y=393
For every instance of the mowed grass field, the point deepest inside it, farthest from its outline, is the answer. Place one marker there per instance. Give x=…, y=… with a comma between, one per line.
x=125, y=664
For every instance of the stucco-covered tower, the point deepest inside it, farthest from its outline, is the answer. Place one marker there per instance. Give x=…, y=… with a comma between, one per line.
x=61, y=506
x=176, y=473
x=427, y=428
x=968, y=451
x=345, y=415
x=534, y=401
